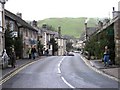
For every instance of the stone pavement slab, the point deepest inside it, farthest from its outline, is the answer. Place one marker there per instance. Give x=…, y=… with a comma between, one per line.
x=112, y=70
x=97, y=63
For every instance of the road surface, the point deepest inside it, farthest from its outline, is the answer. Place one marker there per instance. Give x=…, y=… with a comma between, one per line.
x=59, y=72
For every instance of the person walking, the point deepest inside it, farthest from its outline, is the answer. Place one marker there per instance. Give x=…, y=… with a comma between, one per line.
x=5, y=59
x=47, y=52
x=29, y=52
x=33, y=51
x=13, y=57
x=106, y=56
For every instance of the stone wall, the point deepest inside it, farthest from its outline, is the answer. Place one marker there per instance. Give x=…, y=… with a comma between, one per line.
x=117, y=41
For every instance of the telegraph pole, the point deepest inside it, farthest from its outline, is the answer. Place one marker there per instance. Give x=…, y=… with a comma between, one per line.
x=2, y=25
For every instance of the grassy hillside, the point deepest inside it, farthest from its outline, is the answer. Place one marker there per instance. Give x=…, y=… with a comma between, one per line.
x=69, y=26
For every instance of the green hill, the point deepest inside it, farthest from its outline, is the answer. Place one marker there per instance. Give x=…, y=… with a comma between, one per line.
x=69, y=26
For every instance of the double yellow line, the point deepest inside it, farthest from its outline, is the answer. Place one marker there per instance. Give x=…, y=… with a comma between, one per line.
x=15, y=72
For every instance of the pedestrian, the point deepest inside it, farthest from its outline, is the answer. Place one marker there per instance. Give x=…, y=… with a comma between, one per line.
x=13, y=57
x=4, y=54
x=29, y=52
x=65, y=53
x=44, y=51
x=106, y=56
x=33, y=51
x=47, y=52
x=5, y=58
x=41, y=50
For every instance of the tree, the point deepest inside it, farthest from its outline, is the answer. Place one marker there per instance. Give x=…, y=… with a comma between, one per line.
x=95, y=45
x=40, y=48
x=9, y=40
x=54, y=45
x=18, y=46
x=69, y=46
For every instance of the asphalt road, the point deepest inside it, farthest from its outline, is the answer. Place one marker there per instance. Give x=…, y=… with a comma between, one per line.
x=59, y=72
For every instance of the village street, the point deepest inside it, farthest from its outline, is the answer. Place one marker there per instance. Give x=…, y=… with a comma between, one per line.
x=51, y=44
x=59, y=72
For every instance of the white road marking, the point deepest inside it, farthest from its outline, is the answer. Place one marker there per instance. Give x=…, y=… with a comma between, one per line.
x=59, y=72
x=67, y=83
x=59, y=65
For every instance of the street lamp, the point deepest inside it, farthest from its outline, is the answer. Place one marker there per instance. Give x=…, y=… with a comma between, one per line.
x=86, y=34
x=2, y=24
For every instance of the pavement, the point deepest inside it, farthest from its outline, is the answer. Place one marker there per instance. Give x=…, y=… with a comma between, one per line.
x=113, y=71
x=19, y=63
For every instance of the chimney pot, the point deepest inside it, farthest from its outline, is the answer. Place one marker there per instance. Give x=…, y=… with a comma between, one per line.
x=19, y=15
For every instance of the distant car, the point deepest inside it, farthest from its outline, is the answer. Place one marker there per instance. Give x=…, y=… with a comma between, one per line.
x=77, y=51
x=70, y=54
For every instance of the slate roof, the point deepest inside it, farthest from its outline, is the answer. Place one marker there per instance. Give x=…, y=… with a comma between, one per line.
x=19, y=20
x=50, y=32
x=82, y=37
x=90, y=30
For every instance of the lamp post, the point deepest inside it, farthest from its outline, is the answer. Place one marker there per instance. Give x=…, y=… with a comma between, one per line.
x=86, y=33
x=2, y=25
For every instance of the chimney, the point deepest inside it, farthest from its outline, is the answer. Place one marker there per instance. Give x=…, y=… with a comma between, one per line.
x=44, y=26
x=100, y=25
x=86, y=21
x=34, y=23
x=114, y=12
x=113, y=9
x=19, y=15
x=85, y=25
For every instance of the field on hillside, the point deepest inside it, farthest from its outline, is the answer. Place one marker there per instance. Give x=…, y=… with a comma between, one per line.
x=69, y=26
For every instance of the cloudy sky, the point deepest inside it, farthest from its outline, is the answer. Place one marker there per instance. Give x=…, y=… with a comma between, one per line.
x=41, y=9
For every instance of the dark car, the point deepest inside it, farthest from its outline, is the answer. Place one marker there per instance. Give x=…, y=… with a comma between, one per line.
x=71, y=54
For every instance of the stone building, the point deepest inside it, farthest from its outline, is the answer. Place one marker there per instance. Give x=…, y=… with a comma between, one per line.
x=61, y=45
x=47, y=34
x=117, y=36
x=22, y=29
